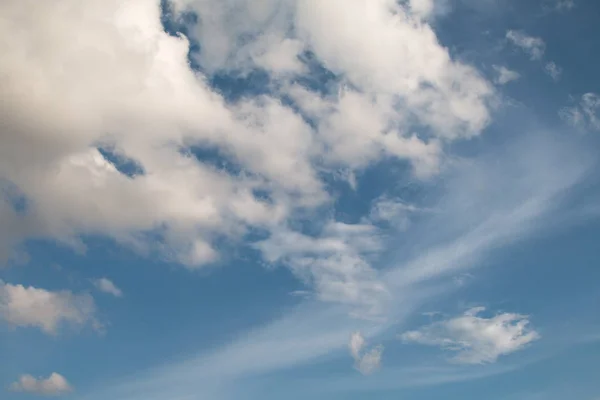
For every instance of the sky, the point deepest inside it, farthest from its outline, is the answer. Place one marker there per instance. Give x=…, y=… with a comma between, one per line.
x=291, y=199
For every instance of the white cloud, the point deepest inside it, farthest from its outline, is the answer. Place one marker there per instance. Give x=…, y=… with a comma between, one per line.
x=54, y=385
x=553, y=70
x=107, y=286
x=407, y=57
x=395, y=212
x=505, y=75
x=22, y=306
x=335, y=263
x=500, y=198
x=357, y=342
x=534, y=46
x=429, y=9
x=475, y=339
x=586, y=114
x=125, y=85
x=148, y=97
x=366, y=362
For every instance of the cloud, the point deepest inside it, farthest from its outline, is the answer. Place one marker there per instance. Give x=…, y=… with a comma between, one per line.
x=107, y=286
x=505, y=75
x=125, y=91
x=356, y=344
x=504, y=196
x=534, y=46
x=558, y=5
x=408, y=54
x=54, y=385
x=335, y=263
x=553, y=70
x=22, y=306
x=395, y=212
x=584, y=115
x=475, y=339
x=366, y=362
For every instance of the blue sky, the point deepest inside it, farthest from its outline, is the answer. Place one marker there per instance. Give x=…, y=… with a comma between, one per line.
x=340, y=199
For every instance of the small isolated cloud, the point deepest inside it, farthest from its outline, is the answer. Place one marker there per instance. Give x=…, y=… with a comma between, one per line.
x=107, y=286
x=54, y=385
x=22, y=306
x=366, y=362
x=475, y=339
x=534, y=46
x=584, y=115
x=504, y=75
x=553, y=70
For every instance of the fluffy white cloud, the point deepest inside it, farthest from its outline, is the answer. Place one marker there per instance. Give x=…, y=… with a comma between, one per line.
x=366, y=362
x=476, y=339
x=534, y=46
x=29, y=306
x=504, y=75
x=586, y=114
x=86, y=79
x=125, y=84
x=54, y=385
x=107, y=286
x=553, y=70
x=408, y=64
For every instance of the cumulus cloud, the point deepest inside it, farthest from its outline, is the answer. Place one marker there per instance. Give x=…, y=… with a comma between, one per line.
x=553, y=70
x=584, y=115
x=365, y=361
x=534, y=46
x=54, y=385
x=107, y=286
x=22, y=306
x=505, y=75
x=123, y=92
x=476, y=339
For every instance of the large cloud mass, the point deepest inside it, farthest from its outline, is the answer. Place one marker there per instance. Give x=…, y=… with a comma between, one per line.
x=90, y=86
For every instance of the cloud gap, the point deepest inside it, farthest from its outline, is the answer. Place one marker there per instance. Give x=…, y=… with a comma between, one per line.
x=125, y=165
